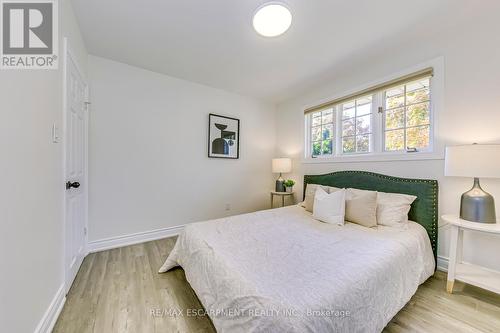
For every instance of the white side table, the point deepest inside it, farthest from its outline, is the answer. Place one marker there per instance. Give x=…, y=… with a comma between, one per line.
x=282, y=195
x=468, y=273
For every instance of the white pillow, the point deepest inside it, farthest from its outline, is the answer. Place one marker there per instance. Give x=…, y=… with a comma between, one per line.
x=332, y=189
x=329, y=208
x=354, y=192
x=393, y=208
x=361, y=207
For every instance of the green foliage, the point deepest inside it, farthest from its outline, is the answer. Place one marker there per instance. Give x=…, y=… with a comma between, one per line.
x=316, y=148
x=289, y=183
x=322, y=137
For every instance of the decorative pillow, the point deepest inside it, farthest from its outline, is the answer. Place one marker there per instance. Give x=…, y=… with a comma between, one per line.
x=355, y=192
x=361, y=207
x=329, y=208
x=309, y=197
x=393, y=208
x=332, y=189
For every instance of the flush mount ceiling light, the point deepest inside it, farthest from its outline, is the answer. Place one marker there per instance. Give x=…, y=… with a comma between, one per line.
x=272, y=19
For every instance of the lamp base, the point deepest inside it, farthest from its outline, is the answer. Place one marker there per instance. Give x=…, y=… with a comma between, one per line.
x=280, y=184
x=477, y=205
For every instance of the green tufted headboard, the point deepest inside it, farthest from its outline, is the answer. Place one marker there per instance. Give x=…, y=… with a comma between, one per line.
x=424, y=209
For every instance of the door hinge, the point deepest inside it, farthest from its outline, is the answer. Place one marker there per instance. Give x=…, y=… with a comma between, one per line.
x=85, y=231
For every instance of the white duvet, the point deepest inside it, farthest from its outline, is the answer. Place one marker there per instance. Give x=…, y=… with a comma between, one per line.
x=282, y=271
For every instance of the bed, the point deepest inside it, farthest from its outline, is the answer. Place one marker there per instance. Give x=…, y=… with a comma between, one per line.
x=280, y=270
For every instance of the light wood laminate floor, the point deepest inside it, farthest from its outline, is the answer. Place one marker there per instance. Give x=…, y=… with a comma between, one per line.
x=120, y=291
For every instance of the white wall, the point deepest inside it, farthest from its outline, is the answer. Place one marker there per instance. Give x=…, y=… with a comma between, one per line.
x=471, y=112
x=31, y=191
x=148, y=152
x=142, y=178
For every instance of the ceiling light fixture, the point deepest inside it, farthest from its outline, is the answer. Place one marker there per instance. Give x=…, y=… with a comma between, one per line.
x=272, y=19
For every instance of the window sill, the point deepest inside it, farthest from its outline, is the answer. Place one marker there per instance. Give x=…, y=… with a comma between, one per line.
x=375, y=158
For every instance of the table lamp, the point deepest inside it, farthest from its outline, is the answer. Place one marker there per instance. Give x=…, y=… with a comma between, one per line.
x=474, y=161
x=281, y=165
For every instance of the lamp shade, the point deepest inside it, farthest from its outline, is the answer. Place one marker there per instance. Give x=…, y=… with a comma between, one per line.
x=282, y=165
x=481, y=161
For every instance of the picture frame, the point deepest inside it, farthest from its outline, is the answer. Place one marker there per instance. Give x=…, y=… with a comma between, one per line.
x=223, y=137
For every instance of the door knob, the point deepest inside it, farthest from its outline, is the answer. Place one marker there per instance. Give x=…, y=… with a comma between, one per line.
x=72, y=184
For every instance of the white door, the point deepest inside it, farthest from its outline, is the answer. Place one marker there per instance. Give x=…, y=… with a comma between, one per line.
x=76, y=119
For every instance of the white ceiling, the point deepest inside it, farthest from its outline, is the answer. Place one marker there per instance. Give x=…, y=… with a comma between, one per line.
x=212, y=41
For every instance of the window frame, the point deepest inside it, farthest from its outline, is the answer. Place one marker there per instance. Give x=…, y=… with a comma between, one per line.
x=377, y=144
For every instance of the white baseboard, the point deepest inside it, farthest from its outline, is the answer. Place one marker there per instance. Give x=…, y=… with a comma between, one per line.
x=50, y=316
x=442, y=263
x=140, y=237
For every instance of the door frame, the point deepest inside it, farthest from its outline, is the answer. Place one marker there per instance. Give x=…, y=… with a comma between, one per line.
x=70, y=56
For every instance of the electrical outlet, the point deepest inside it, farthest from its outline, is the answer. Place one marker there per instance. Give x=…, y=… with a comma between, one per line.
x=228, y=207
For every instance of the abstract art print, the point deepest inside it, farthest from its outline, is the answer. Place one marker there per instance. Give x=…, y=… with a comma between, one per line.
x=223, y=137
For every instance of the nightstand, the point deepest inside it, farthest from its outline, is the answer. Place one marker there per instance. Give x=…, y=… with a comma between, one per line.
x=468, y=273
x=282, y=195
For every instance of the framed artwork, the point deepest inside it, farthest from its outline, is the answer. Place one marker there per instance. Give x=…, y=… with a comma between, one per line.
x=223, y=137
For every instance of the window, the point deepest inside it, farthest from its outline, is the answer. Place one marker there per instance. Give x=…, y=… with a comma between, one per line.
x=407, y=116
x=394, y=117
